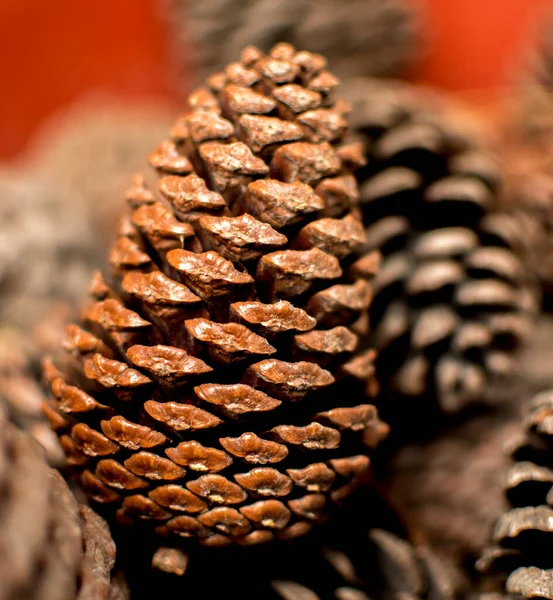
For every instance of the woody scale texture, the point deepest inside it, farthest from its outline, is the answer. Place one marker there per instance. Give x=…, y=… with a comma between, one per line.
x=214, y=388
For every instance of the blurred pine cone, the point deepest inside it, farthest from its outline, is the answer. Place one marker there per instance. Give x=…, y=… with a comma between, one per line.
x=522, y=536
x=21, y=395
x=451, y=302
x=51, y=548
x=56, y=211
x=358, y=37
x=524, y=140
x=41, y=260
x=449, y=489
x=235, y=293
x=535, y=118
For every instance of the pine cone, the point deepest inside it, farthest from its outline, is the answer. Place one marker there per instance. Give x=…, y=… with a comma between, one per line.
x=358, y=37
x=41, y=261
x=450, y=301
x=530, y=209
x=55, y=208
x=235, y=293
x=522, y=536
x=52, y=548
x=20, y=393
x=536, y=110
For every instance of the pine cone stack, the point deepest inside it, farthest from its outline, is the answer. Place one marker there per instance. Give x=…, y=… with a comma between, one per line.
x=52, y=548
x=450, y=301
x=358, y=37
x=213, y=389
x=522, y=536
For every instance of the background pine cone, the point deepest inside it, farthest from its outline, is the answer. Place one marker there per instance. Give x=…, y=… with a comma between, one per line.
x=524, y=141
x=358, y=37
x=451, y=302
x=57, y=215
x=21, y=395
x=52, y=548
x=236, y=292
x=522, y=535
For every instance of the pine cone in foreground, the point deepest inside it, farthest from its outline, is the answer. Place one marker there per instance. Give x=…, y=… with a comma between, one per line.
x=450, y=303
x=51, y=548
x=522, y=536
x=212, y=389
x=358, y=37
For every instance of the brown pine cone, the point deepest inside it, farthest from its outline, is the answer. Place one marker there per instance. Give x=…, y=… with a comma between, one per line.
x=56, y=211
x=451, y=301
x=20, y=393
x=212, y=389
x=522, y=536
x=51, y=548
x=358, y=37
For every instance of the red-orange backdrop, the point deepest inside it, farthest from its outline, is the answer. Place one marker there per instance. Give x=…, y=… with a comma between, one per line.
x=53, y=52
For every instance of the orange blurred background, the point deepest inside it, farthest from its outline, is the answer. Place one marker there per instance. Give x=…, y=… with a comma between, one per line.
x=57, y=51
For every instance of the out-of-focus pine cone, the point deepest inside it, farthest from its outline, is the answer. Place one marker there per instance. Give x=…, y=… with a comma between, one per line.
x=449, y=490
x=55, y=211
x=108, y=133
x=358, y=37
x=213, y=389
x=20, y=372
x=535, y=116
x=45, y=249
x=451, y=302
x=51, y=548
x=522, y=536
x=530, y=210
x=524, y=141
